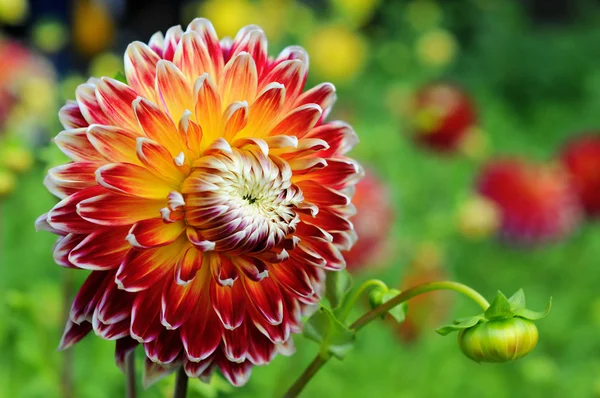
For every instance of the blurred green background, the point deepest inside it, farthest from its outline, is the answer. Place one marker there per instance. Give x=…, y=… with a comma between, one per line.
x=532, y=70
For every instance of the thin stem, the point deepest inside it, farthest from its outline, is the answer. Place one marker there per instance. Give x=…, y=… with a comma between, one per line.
x=319, y=361
x=349, y=304
x=308, y=374
x=130, y=374
x=68, y=358
x=181, y=383
x=415, y=291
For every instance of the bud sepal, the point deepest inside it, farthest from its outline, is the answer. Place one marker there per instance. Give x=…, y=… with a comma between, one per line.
x=504, y=332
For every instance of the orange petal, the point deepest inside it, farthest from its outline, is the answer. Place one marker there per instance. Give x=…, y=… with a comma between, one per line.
x=115, y=210
x=299, y=121
x=192, y=57
x=251, y=39
x=188, y=266
x=239, y=80
x=142, y=269
x=115, y=144
x=322, y=95
x=208, y=109
x=209, y=36
x=265, y=112
x=115, y=99
x=130, y=179
x=291, y=74
x=75, y=144
x=158, y=126
x=154, y=232
x=193, y=133
x=235, y=118
x=159, y=161
x=174, y=88
x=67, y=179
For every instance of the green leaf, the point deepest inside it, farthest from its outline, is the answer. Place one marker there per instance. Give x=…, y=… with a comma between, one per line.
x=120, y=77
x=376, y=296
x=517, y=300
x=534, y=315
x=333, y=336
x=399, y=311
x=337, y=286
x=459, y=324
x=500, y=308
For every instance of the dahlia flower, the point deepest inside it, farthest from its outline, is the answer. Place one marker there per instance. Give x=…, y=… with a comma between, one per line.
x=442, y=117
x=534, y=201
x=208, y=197
x=581, y=158
x=373, y=221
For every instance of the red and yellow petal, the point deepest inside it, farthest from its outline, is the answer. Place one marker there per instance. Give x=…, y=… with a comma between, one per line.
x=111, y=209
x=140, y=69
x=75, y=144
x=154, y=232
x=115, y=99
x=142, y=269
x=101, y=250
x=130, y=179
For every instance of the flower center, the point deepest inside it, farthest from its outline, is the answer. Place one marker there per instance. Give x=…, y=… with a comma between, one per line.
x=242, y=200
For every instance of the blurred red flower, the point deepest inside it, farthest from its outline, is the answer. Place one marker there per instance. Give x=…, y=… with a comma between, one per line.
x=581, y=158
x=442, y=115
x=372, y=223
x=534, y=201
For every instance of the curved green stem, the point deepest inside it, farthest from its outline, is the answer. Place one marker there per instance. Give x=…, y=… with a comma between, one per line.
x=415, y=291
x=349, y=303
x=364, y=320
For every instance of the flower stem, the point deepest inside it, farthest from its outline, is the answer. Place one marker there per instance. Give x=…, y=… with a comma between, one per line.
x=415, y=291
x=130, y=375
x=349, y=304
x=319, y=360
x=68, y=359
x=181, y=383
x=308, y=373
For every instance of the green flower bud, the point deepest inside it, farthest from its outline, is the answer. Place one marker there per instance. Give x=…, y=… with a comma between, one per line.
x=499, y=340
x=504, y=332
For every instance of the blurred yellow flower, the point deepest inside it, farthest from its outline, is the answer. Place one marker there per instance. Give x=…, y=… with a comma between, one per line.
x=49, y=35
x=436, y=48
x=423, y=14
x=93, y=27
x=356, y=12
x=38, y=94
x=13, y=12
x=229, y=16
x=337, y=53
x=16, y=158
x=8, y=182
x=478, y=218
x=106, y=64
